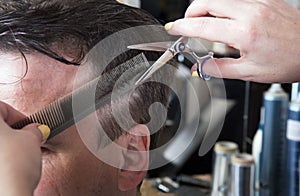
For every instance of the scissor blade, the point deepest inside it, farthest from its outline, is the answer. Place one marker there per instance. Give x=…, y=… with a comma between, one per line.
x=156, y=66
x=156, y=46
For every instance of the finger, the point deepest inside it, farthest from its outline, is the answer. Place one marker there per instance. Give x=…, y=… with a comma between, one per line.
x=41, y=132
x=220, y=68
x=229, y=68
x=9, y=114
x=206, y=28
x=221, y=8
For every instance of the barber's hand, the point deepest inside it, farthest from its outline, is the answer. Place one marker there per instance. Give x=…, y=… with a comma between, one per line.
x=266, y=32
x=20, y=154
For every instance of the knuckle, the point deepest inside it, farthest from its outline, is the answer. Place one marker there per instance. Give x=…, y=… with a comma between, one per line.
x=250, y=34
x=201, y=25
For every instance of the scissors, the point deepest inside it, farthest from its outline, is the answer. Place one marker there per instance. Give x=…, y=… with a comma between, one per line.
x=171, y=49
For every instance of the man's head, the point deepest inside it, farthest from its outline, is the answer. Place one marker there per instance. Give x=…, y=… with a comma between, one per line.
x=42, y=45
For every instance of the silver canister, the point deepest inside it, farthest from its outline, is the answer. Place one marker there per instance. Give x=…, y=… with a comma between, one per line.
x=242, y=175
x=223, y=152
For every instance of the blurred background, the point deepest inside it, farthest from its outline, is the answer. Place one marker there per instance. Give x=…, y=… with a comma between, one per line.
x=242, y=120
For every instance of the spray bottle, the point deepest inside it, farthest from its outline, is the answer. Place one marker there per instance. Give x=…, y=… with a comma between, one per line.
x=293, y=149
x=272, y=163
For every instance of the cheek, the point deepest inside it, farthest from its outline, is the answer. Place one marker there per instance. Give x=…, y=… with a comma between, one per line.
x=73, y=170
x=74, y=176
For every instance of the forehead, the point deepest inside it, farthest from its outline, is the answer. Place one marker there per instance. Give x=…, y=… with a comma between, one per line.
x=15, y=63
x=46, y=80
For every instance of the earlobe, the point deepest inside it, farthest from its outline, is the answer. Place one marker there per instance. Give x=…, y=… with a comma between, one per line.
x=136, y=157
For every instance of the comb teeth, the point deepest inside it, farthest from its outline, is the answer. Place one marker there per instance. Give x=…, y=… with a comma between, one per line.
x=51, y=115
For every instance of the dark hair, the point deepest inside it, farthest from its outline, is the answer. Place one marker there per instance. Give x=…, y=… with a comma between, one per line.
x=68, y=29
x=51, y=27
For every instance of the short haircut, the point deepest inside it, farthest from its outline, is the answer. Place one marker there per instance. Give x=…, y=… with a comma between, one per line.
x=66, y=30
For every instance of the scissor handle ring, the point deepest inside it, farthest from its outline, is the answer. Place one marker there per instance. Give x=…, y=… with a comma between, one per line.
x=200, y=69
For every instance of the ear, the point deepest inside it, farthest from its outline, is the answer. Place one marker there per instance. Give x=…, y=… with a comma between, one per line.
x=135, y=156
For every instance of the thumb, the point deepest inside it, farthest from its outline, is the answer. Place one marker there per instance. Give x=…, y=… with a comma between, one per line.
x=41, y=132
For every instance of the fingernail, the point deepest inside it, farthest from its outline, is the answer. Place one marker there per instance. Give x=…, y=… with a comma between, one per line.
x=45, y=130
x=195, y=74
x=168, y=26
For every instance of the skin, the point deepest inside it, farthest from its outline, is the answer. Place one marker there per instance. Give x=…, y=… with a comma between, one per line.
x=29, y=140
x=266, y=32
x=68, y=167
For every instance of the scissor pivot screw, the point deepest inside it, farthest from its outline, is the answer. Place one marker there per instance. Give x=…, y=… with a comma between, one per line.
x=179, y=47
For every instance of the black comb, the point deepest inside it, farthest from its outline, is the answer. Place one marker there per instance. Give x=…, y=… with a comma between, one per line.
x=59, y=115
